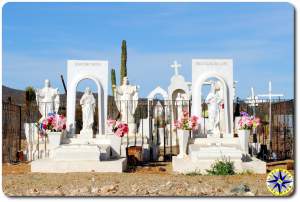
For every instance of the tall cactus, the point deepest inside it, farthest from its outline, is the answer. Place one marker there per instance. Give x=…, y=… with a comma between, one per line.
x=123, y=71
x=113, y=80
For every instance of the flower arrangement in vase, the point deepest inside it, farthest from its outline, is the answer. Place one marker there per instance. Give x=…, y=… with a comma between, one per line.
x=248, y=122
x=186, y=122
x=118, y=128
x=53, y=123
x=184, y=125
x=245, y=124
x=53, y=127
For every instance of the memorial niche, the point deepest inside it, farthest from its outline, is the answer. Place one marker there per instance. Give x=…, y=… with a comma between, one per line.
x=81, y=101
x=212, y=108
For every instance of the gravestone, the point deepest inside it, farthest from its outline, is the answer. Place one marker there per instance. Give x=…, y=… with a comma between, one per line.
x=203, y=152
x=82, y=152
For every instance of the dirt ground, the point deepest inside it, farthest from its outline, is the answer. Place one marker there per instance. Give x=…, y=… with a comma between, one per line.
x=149, y=180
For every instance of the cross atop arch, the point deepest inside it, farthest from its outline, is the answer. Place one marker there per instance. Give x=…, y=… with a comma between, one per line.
x=176, y=65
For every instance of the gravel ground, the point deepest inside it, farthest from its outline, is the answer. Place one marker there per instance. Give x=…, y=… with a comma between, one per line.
x=157, y=180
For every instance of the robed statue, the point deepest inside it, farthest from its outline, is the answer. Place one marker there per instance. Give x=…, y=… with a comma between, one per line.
x=213, y=101
x=88, y=104
x=126, y=98
x=47, y=99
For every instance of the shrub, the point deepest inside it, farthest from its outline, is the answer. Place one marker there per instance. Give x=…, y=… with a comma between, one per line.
x=222, y=167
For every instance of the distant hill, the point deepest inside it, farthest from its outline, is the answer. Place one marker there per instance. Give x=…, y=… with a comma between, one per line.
x=18, y=96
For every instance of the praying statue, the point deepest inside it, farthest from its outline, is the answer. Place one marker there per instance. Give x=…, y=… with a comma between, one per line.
x=88, y=104
x=126, y=97
x=47, y=99
x=213, y=101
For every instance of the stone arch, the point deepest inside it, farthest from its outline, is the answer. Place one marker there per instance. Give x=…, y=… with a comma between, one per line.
x=158, y=90
x=178, y=83
x=96, y=71
x=197, y=94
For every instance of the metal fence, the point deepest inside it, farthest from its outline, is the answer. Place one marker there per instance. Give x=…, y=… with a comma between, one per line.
x=276, y=135
x=154, y=126
x=11, y=131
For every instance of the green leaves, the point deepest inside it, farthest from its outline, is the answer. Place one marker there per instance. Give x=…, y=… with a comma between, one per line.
x=29, y=94
x=222, y=167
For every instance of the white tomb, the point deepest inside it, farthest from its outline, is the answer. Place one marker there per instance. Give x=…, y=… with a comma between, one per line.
x=205, y=151
x=179, y=93
x=178, y=84
x=221, y=69
x=82, y=152
x=87, y=69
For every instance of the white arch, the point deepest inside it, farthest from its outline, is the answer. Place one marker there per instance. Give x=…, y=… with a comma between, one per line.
x=178, y=83
x=158, y=90
x=197, y=94
x=79, y=70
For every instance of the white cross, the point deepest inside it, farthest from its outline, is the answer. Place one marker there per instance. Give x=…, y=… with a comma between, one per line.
x=252, y=100
x=270, y=95
x=175, y=65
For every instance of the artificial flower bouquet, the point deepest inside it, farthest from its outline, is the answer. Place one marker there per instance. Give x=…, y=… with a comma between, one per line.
x=248, y=122
x=186, y=122
x=118, y=128
x=53, y=123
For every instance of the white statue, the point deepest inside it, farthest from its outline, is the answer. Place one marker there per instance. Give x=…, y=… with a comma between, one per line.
x=158, y=110
x=47, y=99
x=126, y=97
x=213, y=101
x=220, y=95
x=88, y=104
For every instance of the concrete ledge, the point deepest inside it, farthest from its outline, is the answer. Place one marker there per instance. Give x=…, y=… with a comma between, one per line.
x=226, y=141
x=187, y=165
x=54, y=166
x=256, y=166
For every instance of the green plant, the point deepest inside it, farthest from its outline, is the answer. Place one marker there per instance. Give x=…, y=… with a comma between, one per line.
x=29, y=95
x=29, y=99
x=194, y=173
x=222, y=167
x=123, y=71
x=113, y=80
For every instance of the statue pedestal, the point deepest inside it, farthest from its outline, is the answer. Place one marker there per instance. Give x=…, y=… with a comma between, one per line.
x=86, y=134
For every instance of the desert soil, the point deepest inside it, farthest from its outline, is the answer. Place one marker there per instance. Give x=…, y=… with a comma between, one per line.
x=151, y=180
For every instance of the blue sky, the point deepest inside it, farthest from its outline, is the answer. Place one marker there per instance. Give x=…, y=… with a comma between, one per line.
x=38, y=39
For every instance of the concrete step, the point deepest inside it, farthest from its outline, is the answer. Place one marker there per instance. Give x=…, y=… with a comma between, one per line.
x=187, y=165
x=55, y=166
x=100, y=139
x=231, y=142
x=197, y=152
x=79, y=152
